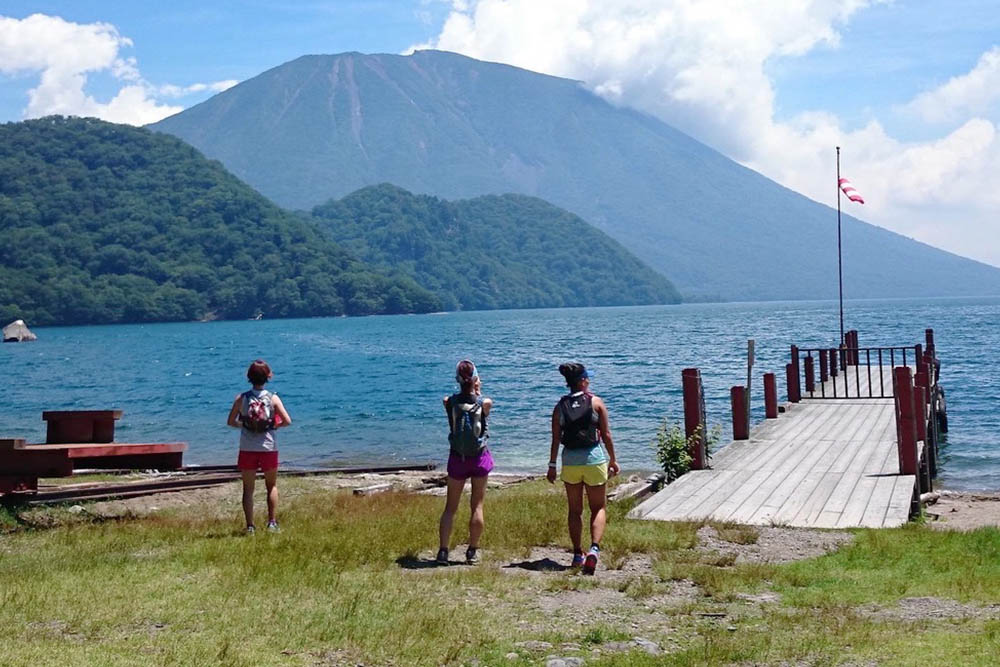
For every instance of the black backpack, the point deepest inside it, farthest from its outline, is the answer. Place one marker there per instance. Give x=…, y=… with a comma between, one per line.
x=579, y=430
x=468, y=427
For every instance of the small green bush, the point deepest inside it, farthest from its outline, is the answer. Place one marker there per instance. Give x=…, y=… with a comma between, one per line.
x=673, y=449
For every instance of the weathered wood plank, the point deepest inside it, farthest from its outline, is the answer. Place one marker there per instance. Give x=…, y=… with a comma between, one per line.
x=878, y=504
x=809, y=513
x=695, y=506
x=678, y=486
x=744, y=513
x=835, y=504
x=793, y=485
x=861, y=496
x=898, y=512
x=740, y=493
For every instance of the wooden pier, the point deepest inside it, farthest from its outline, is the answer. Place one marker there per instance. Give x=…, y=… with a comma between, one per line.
x=836, y=458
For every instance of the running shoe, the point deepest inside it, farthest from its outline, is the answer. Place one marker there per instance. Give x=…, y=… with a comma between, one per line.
x=590, y=564
x=272, y=527
x=250, y=530
x=442, y=557
x=577, y=560
x=472, y=556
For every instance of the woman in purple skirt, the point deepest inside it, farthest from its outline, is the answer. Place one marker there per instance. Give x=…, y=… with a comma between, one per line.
x=469, y=458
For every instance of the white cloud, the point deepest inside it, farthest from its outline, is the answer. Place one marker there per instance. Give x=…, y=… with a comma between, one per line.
x=63, y=54
x=975, y=92
x=700, y=66
x=169, y=90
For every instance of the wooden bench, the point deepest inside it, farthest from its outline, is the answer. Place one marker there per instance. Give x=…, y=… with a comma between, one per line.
x=80, y=425
x=78, y=439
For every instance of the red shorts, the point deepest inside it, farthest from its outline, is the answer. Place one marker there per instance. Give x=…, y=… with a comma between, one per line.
x=262, y=461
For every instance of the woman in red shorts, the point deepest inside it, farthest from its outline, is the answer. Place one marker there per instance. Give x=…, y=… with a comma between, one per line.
x=258, y=413
x=469, y=458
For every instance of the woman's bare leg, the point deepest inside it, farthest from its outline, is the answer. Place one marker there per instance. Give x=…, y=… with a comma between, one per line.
x=476, y=522
x=455, y=487
x=271, y=482
x=249, y=479
x=597, y=499
x=574, y=498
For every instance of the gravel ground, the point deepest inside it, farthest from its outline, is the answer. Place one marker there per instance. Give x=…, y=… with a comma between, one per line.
x=775, y=545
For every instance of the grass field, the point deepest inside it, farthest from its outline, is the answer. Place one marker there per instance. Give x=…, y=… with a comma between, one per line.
x=345, y=583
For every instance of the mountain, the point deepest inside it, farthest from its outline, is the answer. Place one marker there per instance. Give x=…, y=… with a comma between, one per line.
x=443, y=124
x=111, y=223
x=508, y=251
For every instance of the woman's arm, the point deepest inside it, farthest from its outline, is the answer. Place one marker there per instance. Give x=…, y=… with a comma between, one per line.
x=234, y=412
x=554, y=447
x=448, y=412
x=279, y=408
x=604, y=426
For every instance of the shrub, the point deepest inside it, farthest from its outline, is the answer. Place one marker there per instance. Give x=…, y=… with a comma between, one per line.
x=673, y=449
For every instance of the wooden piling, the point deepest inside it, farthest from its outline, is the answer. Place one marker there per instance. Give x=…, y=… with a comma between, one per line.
x=770, y=396
x=906, y=427
x=741, y=420
x=694, y=417
x=810, y=375
x=790, y=383
x=920, y=410
x=794, y=388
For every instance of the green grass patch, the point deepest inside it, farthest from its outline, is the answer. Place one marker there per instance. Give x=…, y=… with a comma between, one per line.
x=883, y=566
x=347, y=580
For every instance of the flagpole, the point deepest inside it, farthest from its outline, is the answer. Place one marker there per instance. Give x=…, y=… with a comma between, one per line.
x=840, y=263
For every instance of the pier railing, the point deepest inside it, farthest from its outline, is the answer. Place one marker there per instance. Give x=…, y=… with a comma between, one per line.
x=907, y=373
x=851, y=372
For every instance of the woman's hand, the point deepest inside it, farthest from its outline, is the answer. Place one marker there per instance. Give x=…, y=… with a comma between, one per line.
x=613, y=467
x=551, y=475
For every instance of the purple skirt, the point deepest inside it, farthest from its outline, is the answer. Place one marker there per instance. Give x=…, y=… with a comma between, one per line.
x=470, y=466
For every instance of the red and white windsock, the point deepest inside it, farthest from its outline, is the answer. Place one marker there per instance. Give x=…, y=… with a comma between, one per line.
x=851, y=193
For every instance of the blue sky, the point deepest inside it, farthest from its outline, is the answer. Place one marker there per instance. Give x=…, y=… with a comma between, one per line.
x=184, y=42
x=909, y=88
x=885, y=57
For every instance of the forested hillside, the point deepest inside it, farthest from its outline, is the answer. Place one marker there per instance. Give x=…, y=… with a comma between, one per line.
x=111, y=223
x=508, y=251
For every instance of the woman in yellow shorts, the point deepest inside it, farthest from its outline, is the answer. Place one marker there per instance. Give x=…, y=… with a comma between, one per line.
x=580, y=424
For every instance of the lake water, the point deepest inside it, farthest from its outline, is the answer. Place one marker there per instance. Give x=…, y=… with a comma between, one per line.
x=369, y=389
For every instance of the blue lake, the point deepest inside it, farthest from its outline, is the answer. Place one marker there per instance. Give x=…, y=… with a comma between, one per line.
x=369, y=389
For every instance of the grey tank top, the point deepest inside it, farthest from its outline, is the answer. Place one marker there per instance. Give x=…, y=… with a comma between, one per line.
x=256, y=442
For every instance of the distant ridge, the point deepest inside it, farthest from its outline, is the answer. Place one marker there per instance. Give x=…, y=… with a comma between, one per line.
x=443, y=124
x=508, y=251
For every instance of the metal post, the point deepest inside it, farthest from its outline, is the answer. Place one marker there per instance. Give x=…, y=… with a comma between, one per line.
x=840, y=267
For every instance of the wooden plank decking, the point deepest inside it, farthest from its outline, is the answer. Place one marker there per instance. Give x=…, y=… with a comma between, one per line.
x=824, y=463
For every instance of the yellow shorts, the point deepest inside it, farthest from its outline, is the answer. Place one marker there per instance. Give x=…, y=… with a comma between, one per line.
x=592, y=475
